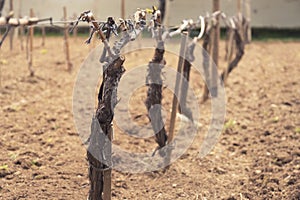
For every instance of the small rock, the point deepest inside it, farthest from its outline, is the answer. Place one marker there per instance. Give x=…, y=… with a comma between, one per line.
x=257, y=171
x=244, y=151
x=25, y=164
x=9, y=177
x=231, y=149
x=288, y=127
x=236, y=144
x=220, y=170
x=4, y=173
x=272, y=187
x=72, y=133
x=296, y=153
x=113, y=193
x=39, y=132
x=17, y=173
x=51, y=120
x=287, y=104
x=269, y=169
x=36, y=163
x=265, y=191
x=244, y=127
x=50, y=158
x=283, y=160
x=174, y=185
x=274, y=180
x=41, y=177
x=292, y=181
x=59, y=163
x=12, y=148
x=267, y=133
x=121, y=184
x=181, y=194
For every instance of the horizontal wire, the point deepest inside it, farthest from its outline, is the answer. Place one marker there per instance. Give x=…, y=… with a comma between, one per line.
x=53, y=23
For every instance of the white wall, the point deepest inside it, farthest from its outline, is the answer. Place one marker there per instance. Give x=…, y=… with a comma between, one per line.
x=265, y=13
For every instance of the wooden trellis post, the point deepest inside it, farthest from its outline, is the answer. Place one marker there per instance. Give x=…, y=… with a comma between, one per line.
x=12, y=31
x=21, y=35
x=184, y=89
x=215, y=53
x=123, y=9
x=177, y=86
x=66, y=42
x=239, y=6
x=175, y=97
x=248, y=18
x=189, y=59
x=30, y=45
x=75, y=30
x=240, y=17
x=21, y=28
x=108, y=173
x=206, y=52
x=75, y=33
x=167, y=13
x=43, y=36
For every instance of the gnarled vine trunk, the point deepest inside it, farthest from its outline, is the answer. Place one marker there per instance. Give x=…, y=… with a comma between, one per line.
x=99, y=150
x=240, y=47
x=154, y=94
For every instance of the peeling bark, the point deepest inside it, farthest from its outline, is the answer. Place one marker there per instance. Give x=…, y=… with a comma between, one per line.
x=99, y=150
x=240, y=47
x=206, y=62
x=154, y=94
x=190, y=57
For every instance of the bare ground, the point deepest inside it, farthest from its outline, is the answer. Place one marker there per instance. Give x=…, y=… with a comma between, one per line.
x=257, y=156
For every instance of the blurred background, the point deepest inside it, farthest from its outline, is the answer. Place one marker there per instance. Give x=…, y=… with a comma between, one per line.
x=269, y=19
x=264, y=13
